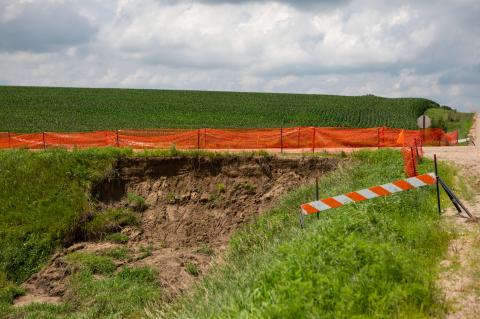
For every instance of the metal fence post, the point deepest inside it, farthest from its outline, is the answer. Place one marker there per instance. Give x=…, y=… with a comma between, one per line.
x=205, y=138
x=316, y=194
x=378, y=137
x=198, y=139
x=9, y=141
x=281, y=139
x=118, y=140
x=313, y=141
x=436, y=181
x=43, y=137
x=416, y=149
x=413, y=162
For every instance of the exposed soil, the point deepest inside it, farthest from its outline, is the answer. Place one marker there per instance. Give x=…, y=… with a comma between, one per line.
x=194, y=206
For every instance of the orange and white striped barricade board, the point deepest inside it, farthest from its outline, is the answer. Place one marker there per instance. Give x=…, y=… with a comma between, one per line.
x=368, y=193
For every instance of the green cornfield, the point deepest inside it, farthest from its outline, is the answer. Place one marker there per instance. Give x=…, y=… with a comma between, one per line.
x=37, y=109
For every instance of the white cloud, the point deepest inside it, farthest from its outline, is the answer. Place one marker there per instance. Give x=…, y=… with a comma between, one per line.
x=399, y=48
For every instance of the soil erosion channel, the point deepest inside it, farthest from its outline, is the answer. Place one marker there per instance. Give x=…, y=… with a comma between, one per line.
x=192, y=205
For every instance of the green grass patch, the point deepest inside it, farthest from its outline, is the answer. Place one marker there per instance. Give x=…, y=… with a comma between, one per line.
x=122, y=295
x=192, y=268
x=121, y=253
x=37, y=109
x=451, y=120
x=137, y=202
x=109, y=221
x=377, y=259
x=94, y=264
x=117, y=238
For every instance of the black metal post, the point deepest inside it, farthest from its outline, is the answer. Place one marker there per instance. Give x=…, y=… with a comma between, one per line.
x=416, y=149
x=118, y=140
x=423, y=127
x=9, y=141
x=437, y=182
x=205, y=138
x=454, y=198
x=198, y=140
x=313, y=141
x=378, y=138
x=316, y=194
x=281, y=139
x=43, y=137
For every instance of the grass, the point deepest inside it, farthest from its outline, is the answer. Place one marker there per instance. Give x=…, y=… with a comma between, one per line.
x=43, y=196
x=192, y=268
x=124, y=294
x=109, y=221
x=372, y=260
x=94, y=264
x=451, y=120
x=137, y=202
x=118, y=238
x=375, y=259
x=37, y=109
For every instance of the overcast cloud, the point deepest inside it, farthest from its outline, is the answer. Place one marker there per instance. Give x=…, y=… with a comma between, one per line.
x=389, y=48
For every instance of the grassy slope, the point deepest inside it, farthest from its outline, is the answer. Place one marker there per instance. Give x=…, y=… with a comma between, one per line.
x=451, y=120
x=375, y=259
x=29, y=109
x=42, y=195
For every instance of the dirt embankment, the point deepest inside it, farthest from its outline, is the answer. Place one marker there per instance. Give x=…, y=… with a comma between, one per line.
x=193, y=207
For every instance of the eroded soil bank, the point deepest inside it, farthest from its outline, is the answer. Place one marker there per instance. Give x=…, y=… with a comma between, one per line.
x=192, y=205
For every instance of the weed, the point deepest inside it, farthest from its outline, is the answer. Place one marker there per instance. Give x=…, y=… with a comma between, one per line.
x=171, y=198
x=117, y=253
x=146, y=251
x=247, y=186
x=109, y=221
x=205, y=249
x=192, y=268
x=94, y=264
x=220, y=187
x=137, y=202
x=118, y=238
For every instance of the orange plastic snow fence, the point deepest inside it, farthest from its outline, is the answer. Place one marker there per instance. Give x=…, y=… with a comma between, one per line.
x=205, y=138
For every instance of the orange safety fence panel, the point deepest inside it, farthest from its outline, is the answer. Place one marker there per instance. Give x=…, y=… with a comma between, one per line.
x=159, y=138
x=205, y=138
x=451, y=138
x=80, y=140
x=432, y=136
x=341, y=137
x=22, y=140
x=409, y=161
x=242, y=138
x=297, y=137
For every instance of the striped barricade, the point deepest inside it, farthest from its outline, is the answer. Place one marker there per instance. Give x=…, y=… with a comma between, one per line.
x=368, y=193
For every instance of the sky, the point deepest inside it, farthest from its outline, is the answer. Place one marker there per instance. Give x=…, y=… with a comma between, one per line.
x=391, y=48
